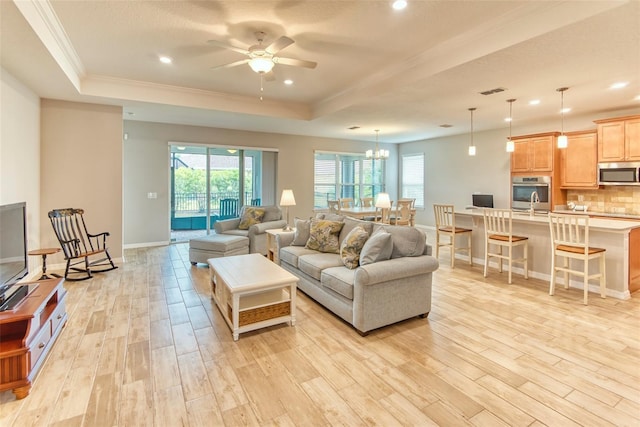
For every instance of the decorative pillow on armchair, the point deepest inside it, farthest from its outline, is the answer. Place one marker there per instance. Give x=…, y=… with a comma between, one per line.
x=323, y=236
x=251, y=215
x=352, y=245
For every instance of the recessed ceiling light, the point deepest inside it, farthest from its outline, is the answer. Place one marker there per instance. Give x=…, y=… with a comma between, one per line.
x=637, y=98
x=507, y=119
x=166, y=60
x=534, y=102
x=565, y=110
x=399, y=4
x=181, y=148
x=288, y=82
x=618, y=85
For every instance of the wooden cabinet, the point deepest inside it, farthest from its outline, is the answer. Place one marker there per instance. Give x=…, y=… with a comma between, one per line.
x=579, y=161
x=28, y=332
x=619, y=139
x=534, y=153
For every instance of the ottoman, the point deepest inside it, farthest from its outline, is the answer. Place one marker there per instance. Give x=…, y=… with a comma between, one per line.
x=215, y=246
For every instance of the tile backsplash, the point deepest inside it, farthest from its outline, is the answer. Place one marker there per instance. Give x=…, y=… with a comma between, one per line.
x=623, y=199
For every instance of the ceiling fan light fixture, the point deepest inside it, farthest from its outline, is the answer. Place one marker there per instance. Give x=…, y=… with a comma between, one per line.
x=261, y=65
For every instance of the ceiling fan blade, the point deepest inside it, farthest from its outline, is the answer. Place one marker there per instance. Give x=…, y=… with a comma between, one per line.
x=228, y=46
x=270, y=76
x=294, y=62
x=278, y=45
x=232, y=64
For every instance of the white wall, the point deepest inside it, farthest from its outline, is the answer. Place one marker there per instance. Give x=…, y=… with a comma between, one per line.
x=20, y=154
x=146, y=169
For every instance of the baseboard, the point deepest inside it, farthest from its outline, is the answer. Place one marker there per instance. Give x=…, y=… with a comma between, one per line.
x=146, y=245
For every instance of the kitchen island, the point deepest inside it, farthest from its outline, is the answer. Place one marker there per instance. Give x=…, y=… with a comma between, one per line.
x=621, y=239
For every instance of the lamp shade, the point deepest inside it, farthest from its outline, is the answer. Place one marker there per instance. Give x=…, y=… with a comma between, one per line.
x=287, y=198
x=563, y=142
x=383, y=201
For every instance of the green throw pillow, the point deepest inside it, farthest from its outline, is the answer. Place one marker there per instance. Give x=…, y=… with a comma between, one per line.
x=352, y=245
x=250, y=216
x=323, y=236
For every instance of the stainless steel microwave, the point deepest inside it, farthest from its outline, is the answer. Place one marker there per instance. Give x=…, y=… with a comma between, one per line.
x=621, y=173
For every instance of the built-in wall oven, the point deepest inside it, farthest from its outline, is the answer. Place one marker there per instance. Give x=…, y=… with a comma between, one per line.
x=523, y=189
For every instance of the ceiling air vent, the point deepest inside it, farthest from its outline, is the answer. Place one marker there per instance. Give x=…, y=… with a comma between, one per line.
x=354, y=127
x=492, y=91
x=446, y=126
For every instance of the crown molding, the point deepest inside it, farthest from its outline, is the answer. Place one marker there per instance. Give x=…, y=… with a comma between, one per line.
x=45, y=23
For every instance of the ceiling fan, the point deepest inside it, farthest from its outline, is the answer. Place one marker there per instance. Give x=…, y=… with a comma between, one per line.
x=262, y=58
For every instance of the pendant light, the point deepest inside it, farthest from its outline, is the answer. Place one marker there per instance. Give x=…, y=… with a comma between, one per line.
x=472, y=148
x=510, y=145
x=562, y=139
x=378, y=154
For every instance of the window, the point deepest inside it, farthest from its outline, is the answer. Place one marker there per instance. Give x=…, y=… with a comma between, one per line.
x=345, y=175
x=413, y=178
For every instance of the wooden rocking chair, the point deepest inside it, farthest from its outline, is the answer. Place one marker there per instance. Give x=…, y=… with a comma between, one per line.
x=78, y=245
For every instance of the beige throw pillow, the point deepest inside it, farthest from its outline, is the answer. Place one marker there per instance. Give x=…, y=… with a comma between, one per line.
x=377, y=248
x=323, y=236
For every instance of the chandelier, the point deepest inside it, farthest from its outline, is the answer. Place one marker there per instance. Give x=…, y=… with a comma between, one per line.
x=378, y=154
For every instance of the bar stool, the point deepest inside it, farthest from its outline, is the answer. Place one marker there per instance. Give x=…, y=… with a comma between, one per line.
x=570, y=237
x=446, y=226
x=498, y=231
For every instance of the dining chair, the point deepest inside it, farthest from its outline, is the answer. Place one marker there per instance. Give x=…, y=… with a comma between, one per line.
x=446, y=226
x=411, y=199
x=498, y=231
x=346, y=202
x=366, y=202
x=570, y=240
x=334, y=206
x=402, y=213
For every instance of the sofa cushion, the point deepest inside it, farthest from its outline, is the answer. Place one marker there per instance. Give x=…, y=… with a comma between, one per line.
x=352, y=245
x=323, y=236
x=339, y=279
x=313, y=264
x=251, y=215
x=377, y=248
x=303, y=226
x=407, y=241
x=291, y=254
x=351, y=223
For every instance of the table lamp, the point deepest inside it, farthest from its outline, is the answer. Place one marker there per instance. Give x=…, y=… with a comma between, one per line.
x=287, y=199
x=383, y=202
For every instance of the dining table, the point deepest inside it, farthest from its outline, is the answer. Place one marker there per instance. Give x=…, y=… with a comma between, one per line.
x=361, y=212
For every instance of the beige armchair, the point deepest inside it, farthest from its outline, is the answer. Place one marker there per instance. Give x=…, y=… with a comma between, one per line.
x=256, y=232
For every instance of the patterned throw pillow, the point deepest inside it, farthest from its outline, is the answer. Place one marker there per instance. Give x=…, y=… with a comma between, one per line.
x=352, y=245
x=323, y=236
x=250, y=216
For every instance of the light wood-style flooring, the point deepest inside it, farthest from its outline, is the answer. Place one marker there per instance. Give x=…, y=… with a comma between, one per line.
x=145, y=345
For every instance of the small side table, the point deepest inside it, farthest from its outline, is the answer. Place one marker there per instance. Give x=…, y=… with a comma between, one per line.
x=44, y=252
x=271, y=243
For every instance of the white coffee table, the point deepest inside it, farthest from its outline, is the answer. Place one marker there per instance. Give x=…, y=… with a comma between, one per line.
x=252, y=292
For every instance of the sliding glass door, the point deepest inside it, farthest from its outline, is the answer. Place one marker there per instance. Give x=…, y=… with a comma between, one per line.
x=209, y=184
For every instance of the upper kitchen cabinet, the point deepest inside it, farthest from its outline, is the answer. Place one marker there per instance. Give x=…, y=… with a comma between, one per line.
x=579, y=161
x=534, y=153
x=619, y=139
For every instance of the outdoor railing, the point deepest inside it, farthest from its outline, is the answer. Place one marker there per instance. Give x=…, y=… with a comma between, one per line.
x=197, y=202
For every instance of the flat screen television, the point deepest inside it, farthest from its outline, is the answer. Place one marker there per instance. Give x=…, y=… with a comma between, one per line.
x=482, y=200
x=13, y=247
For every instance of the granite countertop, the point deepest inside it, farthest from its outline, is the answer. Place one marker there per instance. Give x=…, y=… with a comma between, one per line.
x=594, y=213
x=605, y=224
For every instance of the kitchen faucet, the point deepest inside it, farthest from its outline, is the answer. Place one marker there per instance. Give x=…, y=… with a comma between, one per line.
x=534, y=199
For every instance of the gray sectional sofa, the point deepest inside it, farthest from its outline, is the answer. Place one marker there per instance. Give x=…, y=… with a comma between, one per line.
x=380, y=292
